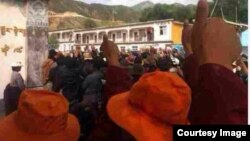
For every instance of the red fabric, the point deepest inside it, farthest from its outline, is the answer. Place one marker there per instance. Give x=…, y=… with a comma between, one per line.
x=118, y=81
x=219, y=96
x=190, y=70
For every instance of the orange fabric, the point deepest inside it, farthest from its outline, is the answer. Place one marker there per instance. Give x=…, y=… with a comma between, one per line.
x=46, y=68
x=59, y=53
x=41, y=116
x=155, y=103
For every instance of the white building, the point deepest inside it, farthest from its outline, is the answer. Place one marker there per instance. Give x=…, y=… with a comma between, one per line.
x=134, y=36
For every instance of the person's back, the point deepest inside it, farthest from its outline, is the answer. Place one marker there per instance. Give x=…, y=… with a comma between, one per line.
x=92, y=90
x=92, y=83
x=13, y=89
x=137, y=72
x=55, y=74
x=70, y=80
x=47, y=65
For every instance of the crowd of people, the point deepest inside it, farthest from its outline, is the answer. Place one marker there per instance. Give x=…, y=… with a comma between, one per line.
x=136, y=95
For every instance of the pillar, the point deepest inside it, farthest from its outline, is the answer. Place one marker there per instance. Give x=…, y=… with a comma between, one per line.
x=37, y=43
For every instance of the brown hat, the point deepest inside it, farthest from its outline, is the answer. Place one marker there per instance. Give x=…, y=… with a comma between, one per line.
x=155, y=103
x=41, y=116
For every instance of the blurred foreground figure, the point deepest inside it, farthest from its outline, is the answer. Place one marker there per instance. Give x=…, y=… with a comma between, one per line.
x=218, y=95
x=41, y=116
x=155, y=103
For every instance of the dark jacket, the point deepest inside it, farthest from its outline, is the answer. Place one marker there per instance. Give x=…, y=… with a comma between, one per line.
x=11, y=98
x=93, y=84
x=218, y=95
x=55, y=77
x=70, y=83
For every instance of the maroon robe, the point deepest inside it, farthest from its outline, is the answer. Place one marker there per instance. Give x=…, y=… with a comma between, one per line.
x=218, y=95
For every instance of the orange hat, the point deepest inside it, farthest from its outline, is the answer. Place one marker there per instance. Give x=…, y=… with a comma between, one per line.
x=155, y=103
x=41, y=116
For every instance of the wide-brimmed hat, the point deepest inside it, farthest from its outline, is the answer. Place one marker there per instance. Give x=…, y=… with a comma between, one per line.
x=41, y=116
x=155, y=103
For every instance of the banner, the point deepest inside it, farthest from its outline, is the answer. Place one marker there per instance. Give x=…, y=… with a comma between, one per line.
x=37, y=13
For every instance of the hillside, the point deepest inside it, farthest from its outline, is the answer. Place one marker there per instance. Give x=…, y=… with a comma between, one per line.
x=65, y=14
x=96, y=11
x=78, y=22
x=143, y=5
x=101, y=15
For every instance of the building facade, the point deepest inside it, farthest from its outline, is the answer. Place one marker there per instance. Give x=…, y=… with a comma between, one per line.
x=133, y=37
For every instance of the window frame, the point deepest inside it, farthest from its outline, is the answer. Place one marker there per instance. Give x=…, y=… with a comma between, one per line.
x=163, y=30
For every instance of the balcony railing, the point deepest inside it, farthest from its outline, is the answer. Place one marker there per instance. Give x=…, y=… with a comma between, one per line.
x=64, y=40
x=148, y=38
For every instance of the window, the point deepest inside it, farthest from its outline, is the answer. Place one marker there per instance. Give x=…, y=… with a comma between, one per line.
x=95, y=38
x=135, y=34
x=87, y=39
x=150, y=34
x=134, y=48
x=109, y=36
x=84, y=38
x=123, y=49
x=63, y=36
x=100, y=37
x=142, y=32
x=136, y=37
x=124, y=37
x=70, y=37
x=119, y=34
x=67, y=35
x=91, y=37
x=113, y=37
x=163, y=30
x=78, y=37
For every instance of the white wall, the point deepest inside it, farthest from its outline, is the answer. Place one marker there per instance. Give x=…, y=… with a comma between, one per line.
x=157, y=36
x=128, y=28
x=156, y=26
x=10, y=17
